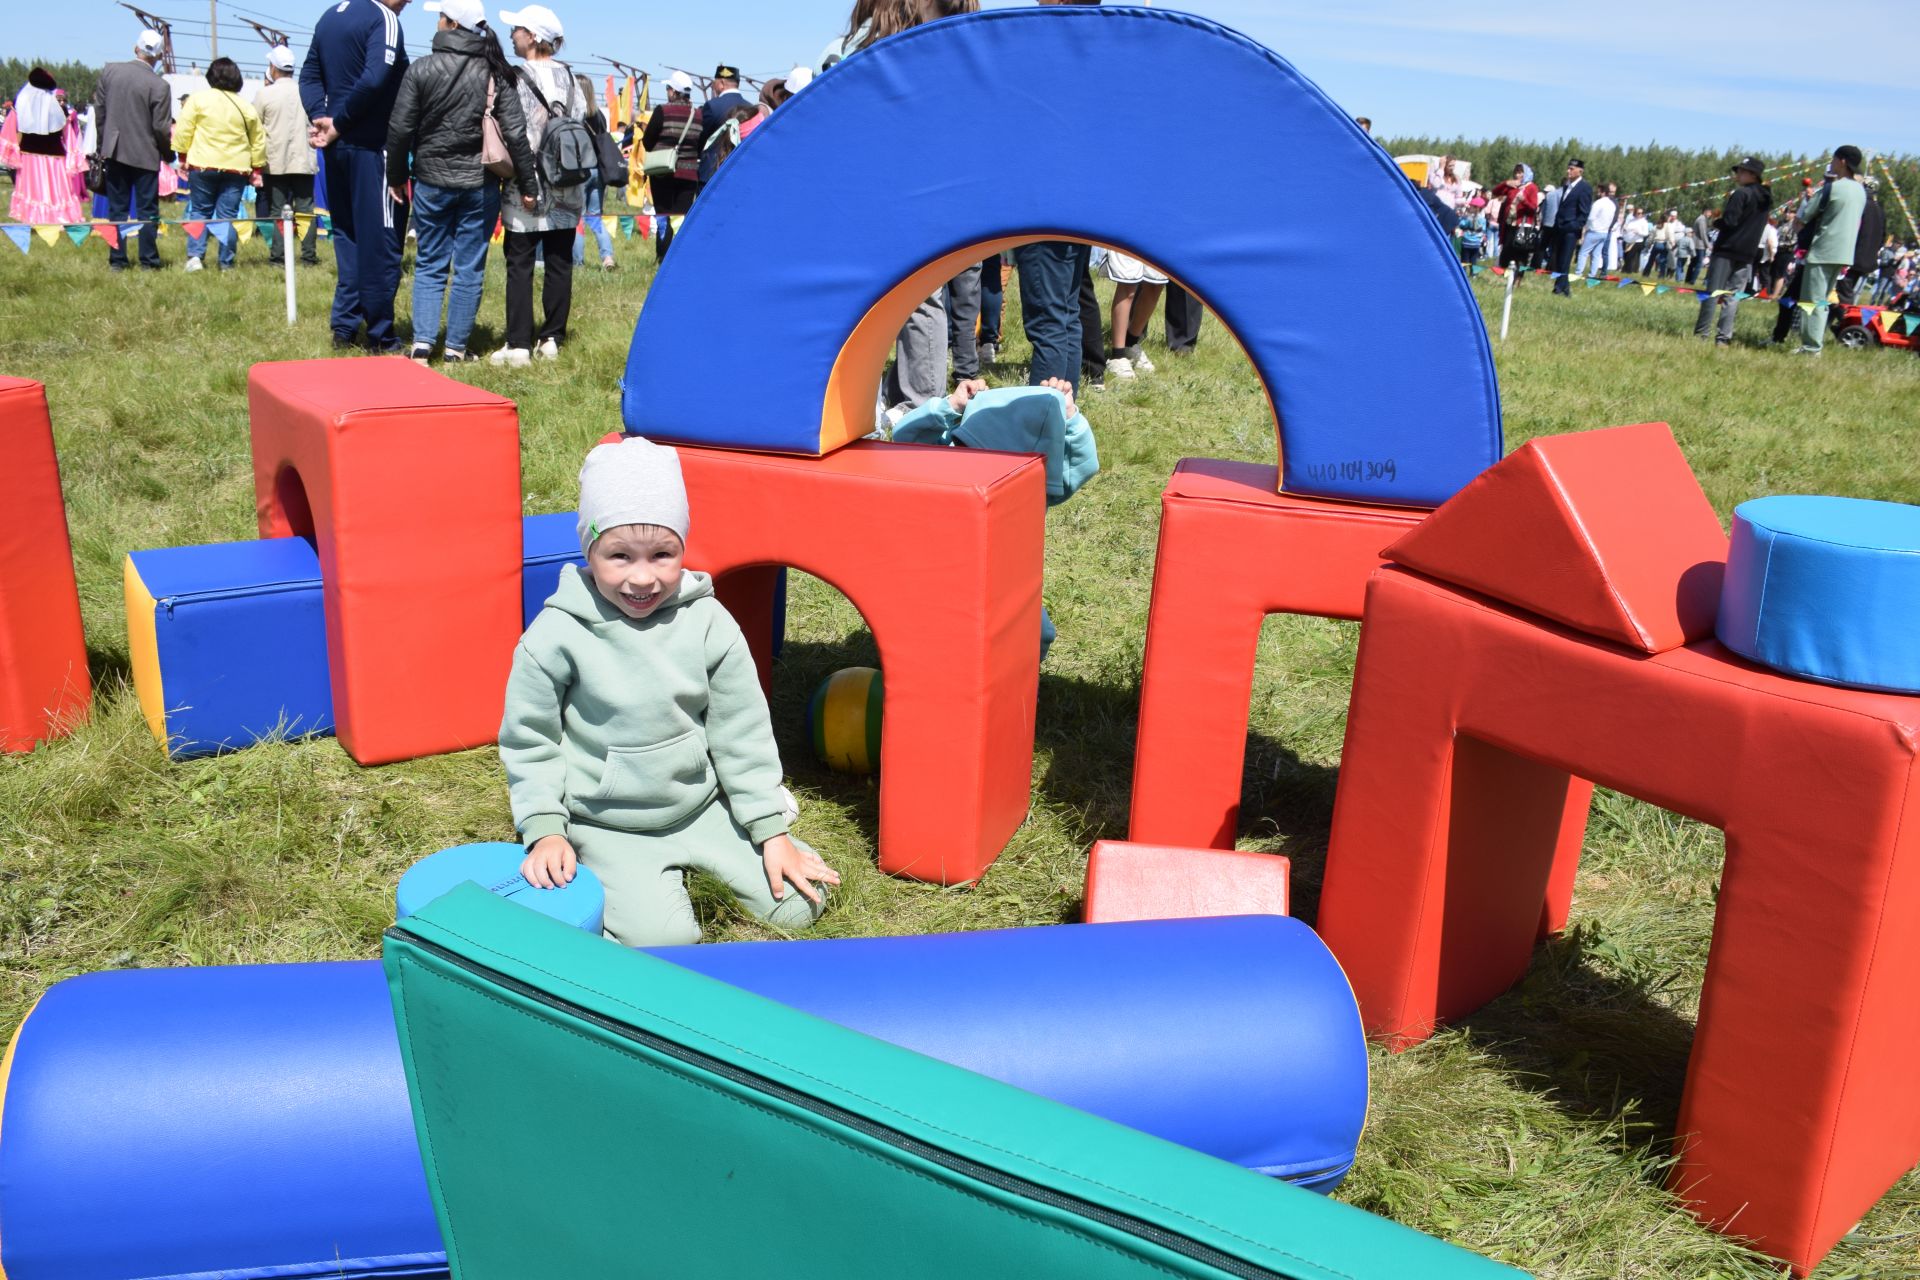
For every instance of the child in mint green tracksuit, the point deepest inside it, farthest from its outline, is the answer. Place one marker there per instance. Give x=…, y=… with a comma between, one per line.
x=636, y=738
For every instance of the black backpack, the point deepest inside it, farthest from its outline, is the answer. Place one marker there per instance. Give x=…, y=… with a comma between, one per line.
x=567, y=154
x=613, y=164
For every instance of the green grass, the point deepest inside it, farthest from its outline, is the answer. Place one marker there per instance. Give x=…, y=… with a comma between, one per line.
x=1537, y=1131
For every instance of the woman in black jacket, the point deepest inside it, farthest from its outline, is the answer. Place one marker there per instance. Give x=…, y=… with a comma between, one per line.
x=435, y=135
x=676, y=123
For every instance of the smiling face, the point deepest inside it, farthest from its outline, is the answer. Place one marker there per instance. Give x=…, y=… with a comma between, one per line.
x=637, y=567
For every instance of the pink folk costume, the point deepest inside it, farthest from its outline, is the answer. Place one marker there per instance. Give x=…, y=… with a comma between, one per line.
x=41, y=142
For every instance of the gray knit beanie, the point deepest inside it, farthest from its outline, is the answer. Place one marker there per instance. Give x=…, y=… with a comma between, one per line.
x=632, y=482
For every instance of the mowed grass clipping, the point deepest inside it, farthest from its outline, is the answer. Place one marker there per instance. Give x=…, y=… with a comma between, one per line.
x=1538, y=1131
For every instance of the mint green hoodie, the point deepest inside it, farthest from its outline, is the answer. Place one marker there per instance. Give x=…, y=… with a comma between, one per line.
x=637, y=725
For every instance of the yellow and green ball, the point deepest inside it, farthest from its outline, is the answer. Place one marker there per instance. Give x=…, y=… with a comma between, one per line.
x=843, y=720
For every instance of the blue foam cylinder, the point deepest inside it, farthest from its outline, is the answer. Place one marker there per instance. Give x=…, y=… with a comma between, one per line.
x=495, y=867
x=253, y=1122
x=1827, y=589
x=1236, y=1036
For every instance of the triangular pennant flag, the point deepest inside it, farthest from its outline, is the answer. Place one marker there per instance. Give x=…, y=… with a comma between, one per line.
x=21, y=236
x=1833, y=296
x=79, y=234
x=1888, y=321
x=270, y=232
x=108, y=232
x=48, y=234
x=1499, y=271
x=1665, y=288
x=1622, y=284
x=499, y=233
x=1809, y=307
x=1913, y=324
x=222, y=231
x=1868, y=313
x=626, y=226
x=1559, y=527
x=1722, y=293
x=243, y=230
x=1593, y=282
x=301, y=221
x=194, y=228
x=1646, y=290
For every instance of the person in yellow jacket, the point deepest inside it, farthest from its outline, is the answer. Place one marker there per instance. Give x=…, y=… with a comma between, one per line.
x=226, y=147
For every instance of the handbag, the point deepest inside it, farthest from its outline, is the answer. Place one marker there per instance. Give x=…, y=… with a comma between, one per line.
x=662, y=162
x=613, y=163
x=96, y=175
x=494, y=157
x=1525, y=237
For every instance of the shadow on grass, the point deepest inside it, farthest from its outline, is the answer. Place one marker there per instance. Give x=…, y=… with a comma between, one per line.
x=108, y=667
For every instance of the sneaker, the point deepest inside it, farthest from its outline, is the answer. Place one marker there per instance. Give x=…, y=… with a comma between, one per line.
x=608, y=262
x=511, y=358
x=1140, y=362
x=1094, y=381
x=989, y=352
x=451, y=356
x=1120, y=367
x=421, y=354
x=547, y=349
x=194, y=264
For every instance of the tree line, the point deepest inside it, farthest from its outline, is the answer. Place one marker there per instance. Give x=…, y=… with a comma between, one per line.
x=1648, y=168
x=77, y=78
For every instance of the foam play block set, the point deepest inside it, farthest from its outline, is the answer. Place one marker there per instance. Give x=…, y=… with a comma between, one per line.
x=44, y=682
x=1152, y=882
x=494, y=865
x=228, y=641
x=1476, y=711
x=842, y=280
x=712, y=1103
x=378, y=462
x=1814, y=588
x=267, y=1106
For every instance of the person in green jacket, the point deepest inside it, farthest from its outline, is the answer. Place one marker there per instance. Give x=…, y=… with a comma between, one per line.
x=636, y=738
x=1833, y=212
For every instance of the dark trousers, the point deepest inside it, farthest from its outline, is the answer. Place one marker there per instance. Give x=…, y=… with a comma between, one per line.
x=992, y=300
x=556, y=291
x=134, y=194
x=286, y=193
x=1052, y=272
x=1563, y=242
x=962, y=297
x=369, y=230
x=1093, y=348
x=1184, y=314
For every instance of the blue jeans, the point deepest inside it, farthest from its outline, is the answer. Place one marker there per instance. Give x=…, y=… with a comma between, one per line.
x=216, y=196
x=1593, y=254
x=593, y=221
x=1050, y=275
x=134, y=195
x=453, y=229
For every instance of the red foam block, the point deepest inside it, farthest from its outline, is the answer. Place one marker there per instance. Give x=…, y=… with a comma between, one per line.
x=44, y=683
x=1128, y=881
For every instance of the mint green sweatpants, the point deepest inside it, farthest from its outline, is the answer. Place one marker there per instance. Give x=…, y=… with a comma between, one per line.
x=644, y=874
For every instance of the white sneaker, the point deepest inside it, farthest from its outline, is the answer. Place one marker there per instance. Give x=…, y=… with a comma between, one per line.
x=511, y=358
x=547, y=349
x=1140, y=362
x=989, y=353
x=1120, y=367
x=194, y=264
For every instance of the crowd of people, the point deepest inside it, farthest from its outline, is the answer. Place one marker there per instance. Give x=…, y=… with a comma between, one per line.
x=1829, y=240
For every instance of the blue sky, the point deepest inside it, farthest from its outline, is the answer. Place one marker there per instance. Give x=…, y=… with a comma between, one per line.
x=1497, y=66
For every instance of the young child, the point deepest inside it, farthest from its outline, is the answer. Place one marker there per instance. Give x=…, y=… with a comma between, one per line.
x=636, y=737
x=1042, y=420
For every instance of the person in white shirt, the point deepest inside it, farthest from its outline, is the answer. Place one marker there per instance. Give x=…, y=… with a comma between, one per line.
x=1593, y=244
x=1636, y=229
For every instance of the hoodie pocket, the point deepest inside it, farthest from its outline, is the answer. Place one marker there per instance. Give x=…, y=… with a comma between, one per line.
x=645, y=788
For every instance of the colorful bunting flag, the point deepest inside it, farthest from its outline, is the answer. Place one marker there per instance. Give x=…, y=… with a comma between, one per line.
x=48, y=234
x=1665, y=288
x=108, y=232
x=1592, y=282
x=1646, y=290
x=1807, y=307
x=243, y=230
x=1913, y=324
x=194, y=228
x=1888, y=321
x=626, y=226
x=21, y=236
x=301, y=221
x=79, y=234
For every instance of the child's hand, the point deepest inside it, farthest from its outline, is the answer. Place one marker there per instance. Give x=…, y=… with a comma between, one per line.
x=964, y=392
x=549, y=864
x=1065, y=388
x=785, y=861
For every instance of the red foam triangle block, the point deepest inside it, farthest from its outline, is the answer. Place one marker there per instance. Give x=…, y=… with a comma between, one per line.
x=1606, y=532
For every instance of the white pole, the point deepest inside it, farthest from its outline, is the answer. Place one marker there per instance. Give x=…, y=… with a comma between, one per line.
x=1506, y=311
x=286, y=252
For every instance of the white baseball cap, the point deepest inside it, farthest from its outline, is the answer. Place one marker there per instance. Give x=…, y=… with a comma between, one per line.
x=150, y=42
x=799, y=78
x=462, y=13
x=680, y=82
x=536, y=18
x=281, y=57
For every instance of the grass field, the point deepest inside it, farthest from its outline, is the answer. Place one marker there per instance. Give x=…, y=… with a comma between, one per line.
x=1537, y=1131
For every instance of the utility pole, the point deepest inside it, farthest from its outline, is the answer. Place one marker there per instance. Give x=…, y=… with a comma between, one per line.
x=158, y=24
x=213, y=24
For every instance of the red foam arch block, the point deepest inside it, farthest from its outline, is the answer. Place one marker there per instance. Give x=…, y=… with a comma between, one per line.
x=1470, y=725
x=1127, y=881
x=44, y=683
x=409, y=484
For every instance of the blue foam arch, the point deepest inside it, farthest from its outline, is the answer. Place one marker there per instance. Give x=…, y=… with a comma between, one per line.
x=848, y=189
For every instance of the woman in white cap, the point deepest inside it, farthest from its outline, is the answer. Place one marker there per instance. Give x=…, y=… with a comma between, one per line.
x=550, y=223
x=674, y=126
x=435, y=137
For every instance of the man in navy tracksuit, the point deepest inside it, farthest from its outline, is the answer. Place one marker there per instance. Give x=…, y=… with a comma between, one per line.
x=347, y=85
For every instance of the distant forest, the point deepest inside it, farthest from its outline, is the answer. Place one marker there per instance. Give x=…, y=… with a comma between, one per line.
x=1646, y=169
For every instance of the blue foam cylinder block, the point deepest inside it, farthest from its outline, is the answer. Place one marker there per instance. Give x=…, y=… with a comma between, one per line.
x=253, y=1122
x=495, y=867
x=1827, y=589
